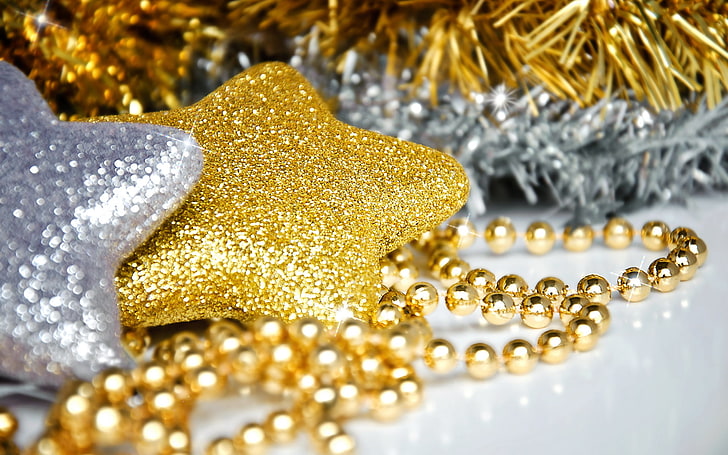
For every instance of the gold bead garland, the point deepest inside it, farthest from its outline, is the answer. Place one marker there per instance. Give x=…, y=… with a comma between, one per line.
x=330, y=376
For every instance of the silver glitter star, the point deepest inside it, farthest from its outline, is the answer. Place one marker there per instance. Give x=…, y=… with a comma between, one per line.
x=75, y=199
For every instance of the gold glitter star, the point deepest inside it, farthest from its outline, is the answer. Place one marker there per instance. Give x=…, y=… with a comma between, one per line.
x=291, y=214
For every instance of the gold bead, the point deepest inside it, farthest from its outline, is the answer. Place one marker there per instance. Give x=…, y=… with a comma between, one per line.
x=387, y=315
x=686, y=261
x=401, y=343
x=555, y=346
x=481, y=361
x=519, y=357
x=221, y=446
x=164, y=404
x=599, y=314
x=461, y=299
x=281, y=427
x=410, y=390
x=400, y=255
x=500, y=235
x=306, y=331
x=440, y=355
x=634, y=285
x=389, y=271
x=460, y=232
x=664, y=275
x=552, y=288
x=584, y=333
x=407, y=273
x=421, y=332
x=571, y=307
x=482, y=280
x=440, y=256
x=536, y=311
x=595, y=288
x=348, y=400
x=386, y=404
x=339, y=444
x=678, y=235
x=393, y=297
x=540, y=237
x=370, y=368
x=514, y=285
x=655, y=235
x=352, y=333
x=327, y=362
x=696, y=246
x=109, y=425
x=425, y=241
x=135, y=340
x=454, y=271
x=270, y=330
x=8, y=424
x=114, y=383
x=178, y=441
x=324, y=429
x=421, y=299
x=578, y=238
x=151, y=437
x=223, y=337
x=498, y=308
x=205, y=382
x=618, y=233
x=245, y=365
x=251, y=440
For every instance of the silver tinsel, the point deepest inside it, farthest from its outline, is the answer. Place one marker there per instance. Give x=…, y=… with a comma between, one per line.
x=616, y=156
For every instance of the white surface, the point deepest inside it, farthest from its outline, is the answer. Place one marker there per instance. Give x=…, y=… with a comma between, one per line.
x=656, y=383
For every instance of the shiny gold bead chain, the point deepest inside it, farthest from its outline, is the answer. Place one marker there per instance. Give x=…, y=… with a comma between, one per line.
x=325, y=377
x=583, y=313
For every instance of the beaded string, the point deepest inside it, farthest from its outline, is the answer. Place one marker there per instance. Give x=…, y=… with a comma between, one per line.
x=583, y=313
x=328, y=376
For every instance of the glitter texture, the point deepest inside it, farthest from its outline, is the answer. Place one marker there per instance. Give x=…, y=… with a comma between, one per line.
x=75, y=199
x=291, y=214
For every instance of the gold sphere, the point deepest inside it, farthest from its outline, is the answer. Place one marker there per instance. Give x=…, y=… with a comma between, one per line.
x=578, y=238
x=386, y=404
x=221, y=446
x=245, y=365
x=425, y=241
x=461, y=299
x=696, y=246
x=536, y=311
x=393, y=297
x=421, y=299
x=481, y=361
x=595, y=288
x=519, y=357
x=678, y=235
x=555, y=346
x=664, y=275
x=389, y=271
x=270, y=330
x=400, y=255
x=498, y=308
x=440, y=355
x=151, y=436
x=306, y=331
x=500, y=234
x=410, y=389
x=514, y=285
x=540, y=237
x=339, y=444
x=686, y=262
x=388, y=315
x=135, y=340
x=634, y=285
x=655, y=235
x=584, y=333
x=440, y=255
x=482, y=280
x=618, y=233
x=460, y=232
x=553, y=288
x=8, y=424
x=599, y=314
x=352, y=333
x=401, y=343
x=454, y=271
x=281, y=427
x=571, y=307
x=251, y=439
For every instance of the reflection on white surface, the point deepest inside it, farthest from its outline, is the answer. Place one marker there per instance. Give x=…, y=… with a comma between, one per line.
x=657, y=382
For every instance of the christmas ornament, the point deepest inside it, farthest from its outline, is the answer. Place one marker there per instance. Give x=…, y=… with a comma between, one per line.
x=292, y=213
x=74, y=200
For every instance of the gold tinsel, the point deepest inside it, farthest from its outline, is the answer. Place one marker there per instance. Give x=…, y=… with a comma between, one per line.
x=93, y=56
